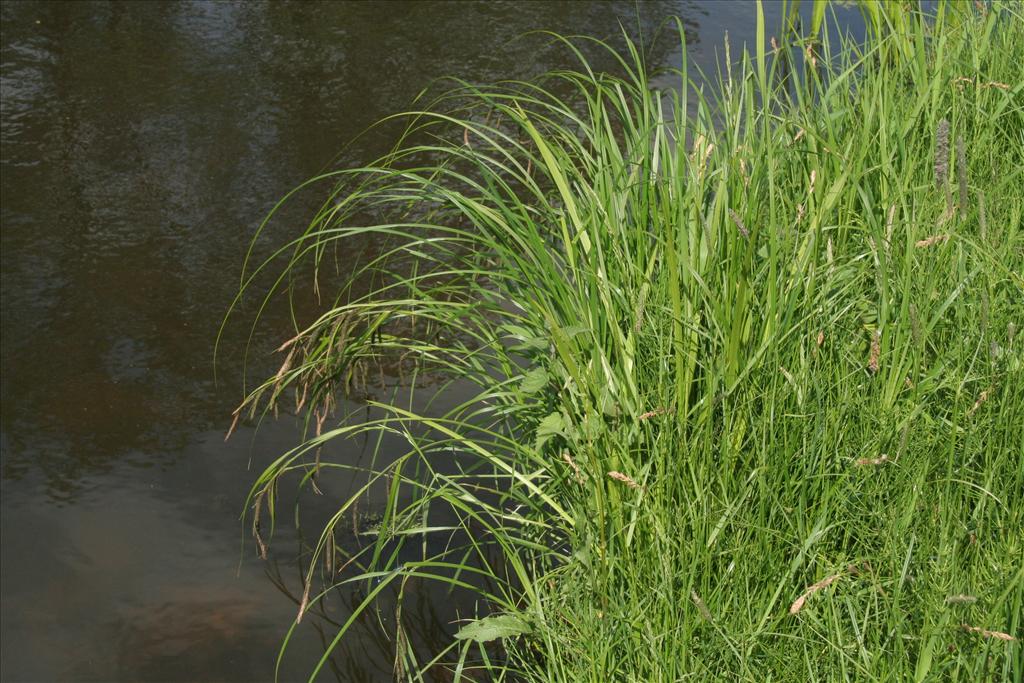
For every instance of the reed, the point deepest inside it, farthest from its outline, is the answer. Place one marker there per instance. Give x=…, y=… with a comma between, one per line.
x=620, y=272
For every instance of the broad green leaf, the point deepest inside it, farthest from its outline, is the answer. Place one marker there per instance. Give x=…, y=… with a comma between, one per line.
x=534, y=381
x=491, y=628
x=552, y=425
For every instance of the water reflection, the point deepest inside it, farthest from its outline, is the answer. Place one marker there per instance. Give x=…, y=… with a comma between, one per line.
x=142, y=141
x=141, y=145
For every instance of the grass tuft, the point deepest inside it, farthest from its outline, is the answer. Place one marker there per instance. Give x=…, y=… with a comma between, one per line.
x=666, y=310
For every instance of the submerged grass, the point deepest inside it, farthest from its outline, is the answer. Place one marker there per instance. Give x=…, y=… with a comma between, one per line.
x=748, y=396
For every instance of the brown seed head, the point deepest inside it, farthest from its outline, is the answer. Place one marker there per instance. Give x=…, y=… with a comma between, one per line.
x=985, y=633
x=701, y=607
x=982, y=397
x=652, y=413
x=739, y=223
x=619, y=476
x=798, y=604
x=876, y=352
x=572, y=463
x=929, y=241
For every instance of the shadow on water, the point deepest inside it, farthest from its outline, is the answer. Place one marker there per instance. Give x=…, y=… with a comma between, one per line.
x=141, y=145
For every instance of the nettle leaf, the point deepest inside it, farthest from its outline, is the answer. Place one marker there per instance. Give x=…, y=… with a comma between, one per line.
x=550, y=426
x=494, y=627
x=534, y=381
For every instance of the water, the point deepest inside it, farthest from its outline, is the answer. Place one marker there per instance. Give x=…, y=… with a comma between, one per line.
x=141, y=145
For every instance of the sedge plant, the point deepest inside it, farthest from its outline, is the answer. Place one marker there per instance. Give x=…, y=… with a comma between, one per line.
x=741, y=364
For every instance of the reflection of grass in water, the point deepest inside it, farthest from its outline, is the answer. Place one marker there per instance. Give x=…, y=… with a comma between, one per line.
x=746, y=409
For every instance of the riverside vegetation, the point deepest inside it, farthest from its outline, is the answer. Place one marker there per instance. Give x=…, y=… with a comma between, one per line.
x=746, y=363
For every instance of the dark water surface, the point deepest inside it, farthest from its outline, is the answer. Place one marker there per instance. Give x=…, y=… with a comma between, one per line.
x=141, y=145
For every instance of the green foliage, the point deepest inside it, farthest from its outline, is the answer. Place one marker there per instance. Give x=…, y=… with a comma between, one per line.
x=492, y=628
x=748, y=370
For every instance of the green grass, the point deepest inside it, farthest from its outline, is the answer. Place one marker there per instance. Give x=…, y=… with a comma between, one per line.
x=767, y=341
